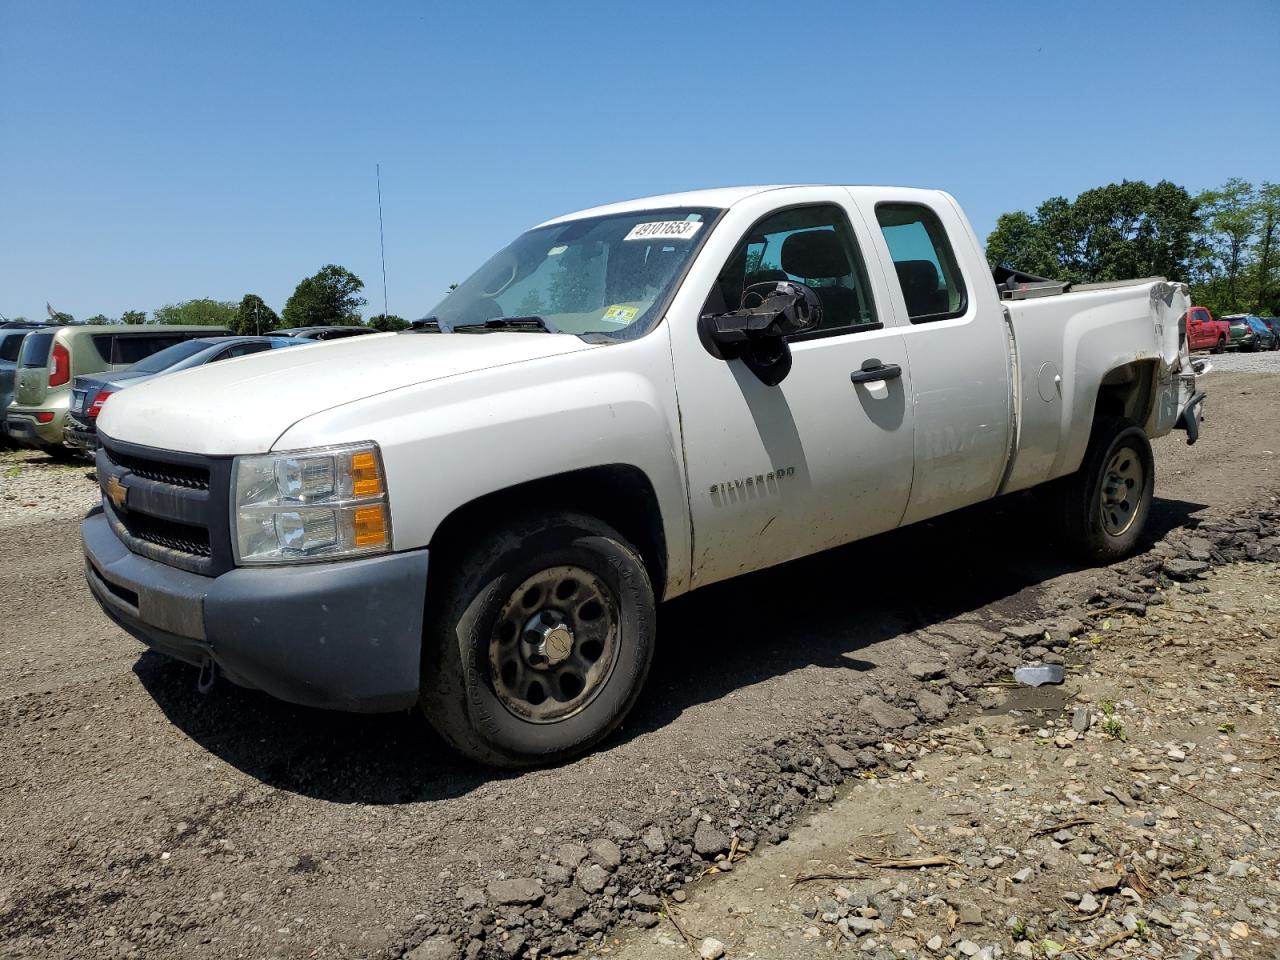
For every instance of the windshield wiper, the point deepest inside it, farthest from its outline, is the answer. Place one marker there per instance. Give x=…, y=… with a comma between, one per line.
x=541, y=324
x=430, y=325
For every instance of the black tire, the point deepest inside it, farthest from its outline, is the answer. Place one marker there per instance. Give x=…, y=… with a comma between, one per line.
x=458, y=692
x=1078, y=502
x=1221, y=346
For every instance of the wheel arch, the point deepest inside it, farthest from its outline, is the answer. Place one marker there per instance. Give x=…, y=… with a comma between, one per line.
x=618, y=494
x=1129, y=390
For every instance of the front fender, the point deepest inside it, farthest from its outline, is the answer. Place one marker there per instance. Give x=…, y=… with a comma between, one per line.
x=449, y=442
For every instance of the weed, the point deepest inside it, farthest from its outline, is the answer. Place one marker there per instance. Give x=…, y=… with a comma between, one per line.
x=1113, y=728
x=1107, y=707
x=1227, y=727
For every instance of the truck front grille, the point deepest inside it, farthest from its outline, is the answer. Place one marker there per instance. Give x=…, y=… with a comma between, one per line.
x=168, y=506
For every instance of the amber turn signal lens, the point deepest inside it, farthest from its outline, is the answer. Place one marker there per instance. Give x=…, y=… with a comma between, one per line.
x=365, y=480
x=370, y=526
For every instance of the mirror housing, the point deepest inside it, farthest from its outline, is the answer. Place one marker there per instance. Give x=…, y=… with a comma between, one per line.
x=757, y=331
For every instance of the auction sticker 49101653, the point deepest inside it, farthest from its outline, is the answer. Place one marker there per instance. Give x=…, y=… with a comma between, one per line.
x=664, y=230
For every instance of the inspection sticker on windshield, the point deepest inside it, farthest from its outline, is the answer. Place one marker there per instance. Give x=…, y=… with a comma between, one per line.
x=664, y=230
x=620, y=314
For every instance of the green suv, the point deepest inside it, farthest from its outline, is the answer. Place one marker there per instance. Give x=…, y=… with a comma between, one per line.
x=50, y=359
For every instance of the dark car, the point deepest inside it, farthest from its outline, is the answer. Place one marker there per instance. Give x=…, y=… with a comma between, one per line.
x=89, y=393
x=1273, y=324
x=10, y=347
x=1242, y=335
x=324, y=333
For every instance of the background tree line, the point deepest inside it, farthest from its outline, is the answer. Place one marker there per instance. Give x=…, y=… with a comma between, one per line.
x=329, y=297
x=1222, y=242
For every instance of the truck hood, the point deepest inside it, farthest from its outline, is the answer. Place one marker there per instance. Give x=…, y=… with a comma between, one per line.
x=243, y=405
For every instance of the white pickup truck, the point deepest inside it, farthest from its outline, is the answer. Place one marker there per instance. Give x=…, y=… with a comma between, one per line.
x=478, y=516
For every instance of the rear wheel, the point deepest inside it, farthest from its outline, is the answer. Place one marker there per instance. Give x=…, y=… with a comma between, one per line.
x=538, y=642
x=1221, y=346
x=1103, y=507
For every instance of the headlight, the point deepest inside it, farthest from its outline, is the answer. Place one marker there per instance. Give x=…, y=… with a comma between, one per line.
x=304, y=505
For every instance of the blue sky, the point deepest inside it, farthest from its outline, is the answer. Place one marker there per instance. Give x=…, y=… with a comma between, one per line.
x=155, y=152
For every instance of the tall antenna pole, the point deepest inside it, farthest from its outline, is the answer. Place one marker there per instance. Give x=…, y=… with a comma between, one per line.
x=382, y=244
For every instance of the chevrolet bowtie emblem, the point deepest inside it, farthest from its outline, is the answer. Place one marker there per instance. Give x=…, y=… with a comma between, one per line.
x=117, y=492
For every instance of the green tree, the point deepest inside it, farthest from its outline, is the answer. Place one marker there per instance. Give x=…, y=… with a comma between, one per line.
x=204, y=312
x=1117, y=232
x=330, y=296
x=61, y=319
x=388, y=322
x=1230, y=220
x=100, y=318
x=1266, y=260
x=254, y=317
x=133, y=317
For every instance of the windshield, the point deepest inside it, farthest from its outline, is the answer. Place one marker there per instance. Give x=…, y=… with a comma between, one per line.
x=608, y=274
x=166, y=358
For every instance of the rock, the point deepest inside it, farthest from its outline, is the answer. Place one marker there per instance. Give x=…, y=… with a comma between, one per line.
x=606, y=853
x=1023, y=875
x=1185, y=569
x=931, y=705
x=711, y=949
x=841, y=757
x=1239, y=931
x=571, y=854
x=434, y=948
x=591, y=877
x=588, y=924
x=934, y=943
x=568, y=903
x=646, y=901
x=825, y=794
x=1081, y=719
x=518, y=892
x=861, y=925
x=708, y=841
x=926, y=669
x=889, y=717
x=1088, y=904
x=654, y=840
x=1001, y=753
x=968, y=947
x=1025, y=633
x=1176, y=755
x=1237, y=869
x=970, y=913
x=471, y=897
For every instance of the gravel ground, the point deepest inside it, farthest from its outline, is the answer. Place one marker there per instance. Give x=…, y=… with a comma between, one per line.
x=1263, y=362
x=141, y=819
x=34, y=487
x=1134, y=811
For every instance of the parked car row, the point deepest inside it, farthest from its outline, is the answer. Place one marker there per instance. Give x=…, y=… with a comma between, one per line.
x=1238, y=331
x=55, y=380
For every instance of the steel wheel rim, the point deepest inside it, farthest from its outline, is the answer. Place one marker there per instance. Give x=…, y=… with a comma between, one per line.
x=554, y=644
x=1123, y=483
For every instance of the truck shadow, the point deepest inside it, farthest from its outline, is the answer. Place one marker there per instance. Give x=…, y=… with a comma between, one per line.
x=820, y=611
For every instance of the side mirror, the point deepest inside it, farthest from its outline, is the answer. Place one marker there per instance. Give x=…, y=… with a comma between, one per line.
x=756, y=332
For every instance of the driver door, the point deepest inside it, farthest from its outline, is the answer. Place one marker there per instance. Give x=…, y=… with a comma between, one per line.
x=776, y=473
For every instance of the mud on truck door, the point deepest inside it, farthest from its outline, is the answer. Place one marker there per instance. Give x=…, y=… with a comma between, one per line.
x=825, y=456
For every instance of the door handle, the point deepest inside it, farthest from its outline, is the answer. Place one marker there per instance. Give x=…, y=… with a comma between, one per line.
x=875, y=370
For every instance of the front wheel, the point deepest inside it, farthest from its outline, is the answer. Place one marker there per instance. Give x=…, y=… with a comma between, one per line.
x=1103, y=507
x=538, y=641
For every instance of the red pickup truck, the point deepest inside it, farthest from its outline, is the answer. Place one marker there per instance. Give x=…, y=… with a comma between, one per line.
x=1206, y=333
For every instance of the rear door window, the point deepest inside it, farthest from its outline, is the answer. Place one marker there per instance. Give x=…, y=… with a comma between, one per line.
x=127, y=350
x=926, y=266
x=10, y=347
x=35, y=350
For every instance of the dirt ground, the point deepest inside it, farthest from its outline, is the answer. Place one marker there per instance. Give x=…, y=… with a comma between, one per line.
x=1137, y=807
x=140, y=818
